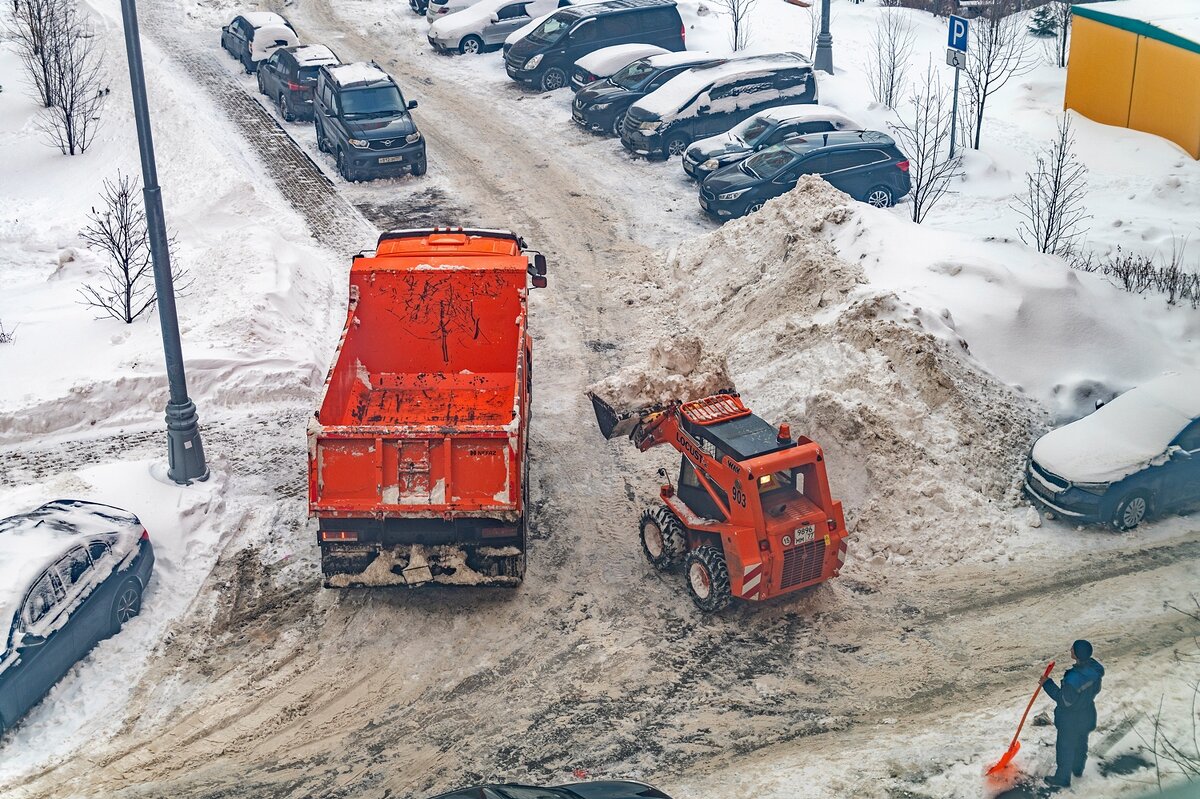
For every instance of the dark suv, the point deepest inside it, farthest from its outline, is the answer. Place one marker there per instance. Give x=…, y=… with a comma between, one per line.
x=867, y=165
x=289, y=77
x=544, y=57
x=709, y=100
x=602, y=105
x=362, y=118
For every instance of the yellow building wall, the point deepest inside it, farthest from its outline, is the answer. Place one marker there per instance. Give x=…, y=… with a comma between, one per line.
x=1100, y=71
x=1166, y=94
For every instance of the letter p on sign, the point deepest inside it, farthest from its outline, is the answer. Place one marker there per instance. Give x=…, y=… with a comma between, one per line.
x=958, y=34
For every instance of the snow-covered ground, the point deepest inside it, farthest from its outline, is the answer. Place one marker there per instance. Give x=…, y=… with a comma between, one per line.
x=924, y=359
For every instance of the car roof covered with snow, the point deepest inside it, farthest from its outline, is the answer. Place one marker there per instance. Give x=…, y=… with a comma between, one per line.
x=29, y=542
x=678, y=91
x=313, y=55
x=356, y=73
x=262, y=19
x=802, y=145
x=1124, y=436
x=664, y=60
x=607, y=60
x=791, y=113
x=578, y=10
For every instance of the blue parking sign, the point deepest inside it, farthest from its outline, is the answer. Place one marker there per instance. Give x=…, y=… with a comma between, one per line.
x=958, y=34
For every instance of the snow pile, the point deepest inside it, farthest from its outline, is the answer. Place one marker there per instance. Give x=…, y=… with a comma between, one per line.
x=678, y=368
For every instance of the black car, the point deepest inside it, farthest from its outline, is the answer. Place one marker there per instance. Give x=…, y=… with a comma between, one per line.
x=544, y=57
x=362, y=118
x=253, y=36
x=601, y=106
x=1136, y=457
x=419, y=7
x=709, y=100
x=289, y=78
x=867, y=165
x=596, y=789
x=72, y=573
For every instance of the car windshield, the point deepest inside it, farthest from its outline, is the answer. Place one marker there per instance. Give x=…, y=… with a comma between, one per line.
x=752, y=130
x=769, y=163
x=631, y=76
x=376, y=102
x=550, y=31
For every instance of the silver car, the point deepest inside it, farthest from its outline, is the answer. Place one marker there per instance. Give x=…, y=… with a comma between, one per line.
x=482, y=26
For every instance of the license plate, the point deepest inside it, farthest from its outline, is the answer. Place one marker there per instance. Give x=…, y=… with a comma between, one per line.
x=805, y=533
x=391, y=159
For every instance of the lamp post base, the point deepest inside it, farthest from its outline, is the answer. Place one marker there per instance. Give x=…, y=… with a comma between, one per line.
x=185, y=452
x=823, y=58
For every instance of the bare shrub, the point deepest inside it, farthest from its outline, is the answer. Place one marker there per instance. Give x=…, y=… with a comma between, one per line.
x=77, y=88
x=31, y=27
x=1052, y=208
x=999, y=51
x=1178, y=755
x=119, y=231
x=891, y=47
x=738, y=12
x=1061, y=13
x=7, y=336
x=924, y=136
x=1138, y=273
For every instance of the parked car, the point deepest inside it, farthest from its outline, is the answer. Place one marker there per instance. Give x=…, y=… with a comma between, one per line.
x=602, y=105
x=418, y=6
x=484, y=25
x=607, y=60
x=709, y=100
x=289, y=78
x=761, y=130
x=72, y=573
x=595, y=789
x=437, y=9
x=252, y=37
x=543, y=58
x=361, y=116
x=865, y=164
x=1136, y=457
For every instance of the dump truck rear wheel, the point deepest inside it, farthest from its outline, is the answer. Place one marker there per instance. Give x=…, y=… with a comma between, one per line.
x=663, y=538
x=707, y=579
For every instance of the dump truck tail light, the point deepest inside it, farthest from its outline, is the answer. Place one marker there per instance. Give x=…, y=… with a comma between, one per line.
x=902, y=166
x=832, y=524
x=339, y=535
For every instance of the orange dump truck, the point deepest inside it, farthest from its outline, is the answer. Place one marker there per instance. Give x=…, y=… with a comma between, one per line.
x=417, y=457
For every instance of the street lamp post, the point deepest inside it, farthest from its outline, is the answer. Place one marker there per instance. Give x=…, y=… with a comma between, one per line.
x=824, y=55
x=185, y=452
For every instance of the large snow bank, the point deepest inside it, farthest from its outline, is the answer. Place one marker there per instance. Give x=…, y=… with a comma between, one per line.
x=1124, y=436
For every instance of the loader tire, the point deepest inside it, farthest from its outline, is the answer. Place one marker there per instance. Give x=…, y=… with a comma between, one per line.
x=663, y=539
x=707, y=579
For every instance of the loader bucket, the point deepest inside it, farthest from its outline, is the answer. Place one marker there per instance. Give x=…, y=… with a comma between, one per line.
x=612, y=422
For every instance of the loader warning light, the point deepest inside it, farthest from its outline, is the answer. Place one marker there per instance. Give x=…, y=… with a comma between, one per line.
x=785, y=432
x=339, y=535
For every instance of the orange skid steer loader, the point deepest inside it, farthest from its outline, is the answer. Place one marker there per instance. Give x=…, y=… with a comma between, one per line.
x=751, y=516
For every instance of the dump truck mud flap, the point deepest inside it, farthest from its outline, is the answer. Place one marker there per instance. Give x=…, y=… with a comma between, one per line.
x=412, y=565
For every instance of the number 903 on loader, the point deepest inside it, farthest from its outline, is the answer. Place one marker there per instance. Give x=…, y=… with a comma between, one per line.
x=751, y=516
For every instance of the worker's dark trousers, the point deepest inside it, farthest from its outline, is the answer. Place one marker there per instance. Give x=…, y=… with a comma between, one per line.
x=1070, y=752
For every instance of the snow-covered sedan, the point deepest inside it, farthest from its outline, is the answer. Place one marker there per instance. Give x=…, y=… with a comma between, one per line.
x=71, y=574
x=1137, y=456
x=607, y=61
x=252, y=37
x=484, y=25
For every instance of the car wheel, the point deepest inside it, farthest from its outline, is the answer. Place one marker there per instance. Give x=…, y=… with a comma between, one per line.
x=754, y=208
x=676, y=145
x=419, y=168
x=343, y=167
x=553, y=78
x=1131, y=511
x=126, y=605
x=880, y=197
x=321, y=145
x=285, y=110
x=663, y=539
x=707, y=579
x=618, y=123
x=248, y=64
x=470, y=45
x=261, y=88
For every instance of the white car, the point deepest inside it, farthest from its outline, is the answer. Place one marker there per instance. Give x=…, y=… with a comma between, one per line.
x=252, y=37
x=765, y=128
x=607, y=61
x=484, y=25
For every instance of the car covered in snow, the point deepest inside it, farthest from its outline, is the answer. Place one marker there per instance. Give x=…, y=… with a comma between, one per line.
x=252, y=37
x=594, y=789
x=1135, y=457
x=72, y=573
x=705, y=101
x=601, y=106
x=607, y=60
x=289, y=77
x=761, y=130
x=866, y=164
x=483, y=26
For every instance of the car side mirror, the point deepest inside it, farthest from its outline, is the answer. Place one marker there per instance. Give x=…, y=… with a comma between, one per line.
x=539, y=281
x=495, y=18
x=411, y=105
x=1178, y=453
x=539, y=263
x=29, y=640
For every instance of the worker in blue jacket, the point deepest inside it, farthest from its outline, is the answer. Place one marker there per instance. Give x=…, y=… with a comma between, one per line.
x=1074, y=712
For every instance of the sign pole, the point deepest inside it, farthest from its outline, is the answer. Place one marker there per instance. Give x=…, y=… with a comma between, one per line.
x=954, y=113
x=956, y=56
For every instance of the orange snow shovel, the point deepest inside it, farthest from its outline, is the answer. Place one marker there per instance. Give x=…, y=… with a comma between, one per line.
x=1015, y=746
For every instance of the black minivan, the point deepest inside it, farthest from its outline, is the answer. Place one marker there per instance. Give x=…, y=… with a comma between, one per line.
x=543, y=58
x=865, y=164
x=601, y=106
x=710, y=100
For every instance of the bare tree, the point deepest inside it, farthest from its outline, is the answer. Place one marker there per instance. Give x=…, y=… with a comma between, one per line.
x=7, y=336
x=1052, y=208
x=77, y=86
x=1060, y=12
x=924, y=136
x=999, y=51
x=119, y=231
x=738, y=11
x=892, y=43
x=814, y=28
x=30, y=29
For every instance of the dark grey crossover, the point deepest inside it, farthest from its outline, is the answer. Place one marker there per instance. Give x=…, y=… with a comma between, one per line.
x=601, y=106
x=289, y=78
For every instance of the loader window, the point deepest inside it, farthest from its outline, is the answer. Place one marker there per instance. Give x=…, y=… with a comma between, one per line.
x=781, y=480
x=694, y=495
